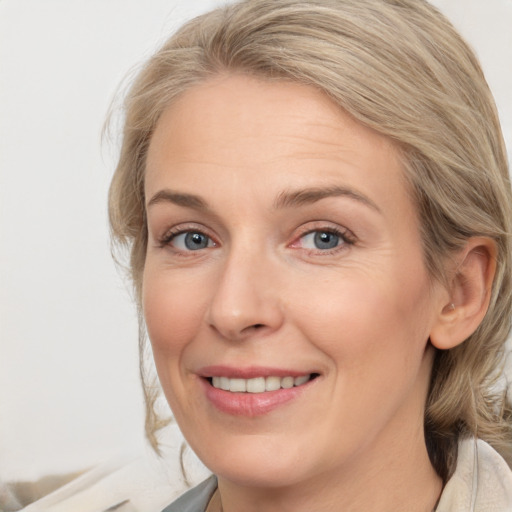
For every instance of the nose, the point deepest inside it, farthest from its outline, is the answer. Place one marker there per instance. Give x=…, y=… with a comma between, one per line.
x=246, y=301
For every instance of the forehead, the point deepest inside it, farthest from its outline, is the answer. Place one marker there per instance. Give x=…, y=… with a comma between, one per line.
x=234, y=126
x=256, y=106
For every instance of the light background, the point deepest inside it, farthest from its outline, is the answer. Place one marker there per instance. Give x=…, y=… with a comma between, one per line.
x=69, y=388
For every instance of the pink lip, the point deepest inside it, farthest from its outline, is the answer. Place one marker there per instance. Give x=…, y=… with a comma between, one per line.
x=249, y=404
x=249, y=372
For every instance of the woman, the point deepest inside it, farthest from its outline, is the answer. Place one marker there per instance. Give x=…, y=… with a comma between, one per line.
x=316, y=200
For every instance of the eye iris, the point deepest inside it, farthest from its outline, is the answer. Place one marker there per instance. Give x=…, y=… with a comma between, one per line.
x=195, y=241
x=326, y=240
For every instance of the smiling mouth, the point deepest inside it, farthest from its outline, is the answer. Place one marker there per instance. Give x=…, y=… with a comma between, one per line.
x=259, y=384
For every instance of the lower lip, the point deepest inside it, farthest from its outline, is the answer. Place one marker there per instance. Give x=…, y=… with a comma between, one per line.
x=251, y=404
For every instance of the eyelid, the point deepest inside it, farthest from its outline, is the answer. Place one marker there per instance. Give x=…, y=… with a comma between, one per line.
x=346, y=235
x=170, y=234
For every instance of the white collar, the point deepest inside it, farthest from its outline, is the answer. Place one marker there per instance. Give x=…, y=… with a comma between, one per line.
x=482, y=481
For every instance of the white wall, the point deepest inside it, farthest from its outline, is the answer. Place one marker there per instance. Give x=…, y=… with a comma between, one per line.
x=69, y=390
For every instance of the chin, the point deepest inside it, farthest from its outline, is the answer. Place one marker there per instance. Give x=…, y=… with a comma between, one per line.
x=256, y=463
x=259, y=475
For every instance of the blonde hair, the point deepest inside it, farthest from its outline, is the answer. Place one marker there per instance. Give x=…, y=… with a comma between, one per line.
x=399, y=67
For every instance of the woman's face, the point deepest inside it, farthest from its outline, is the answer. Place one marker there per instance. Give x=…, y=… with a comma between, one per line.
x=284, y=258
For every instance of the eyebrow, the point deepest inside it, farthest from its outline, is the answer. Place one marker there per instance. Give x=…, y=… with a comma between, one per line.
x=286, y=199
x=301, y=197
x=179, y=199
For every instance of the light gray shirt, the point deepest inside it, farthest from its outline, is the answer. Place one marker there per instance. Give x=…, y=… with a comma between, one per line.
x=195, y=500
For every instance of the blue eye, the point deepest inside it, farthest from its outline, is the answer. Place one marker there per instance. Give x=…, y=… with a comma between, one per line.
x=322, y=240
x=191, y=241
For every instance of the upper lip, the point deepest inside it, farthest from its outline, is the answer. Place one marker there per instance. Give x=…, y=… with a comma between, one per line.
x=249, y=372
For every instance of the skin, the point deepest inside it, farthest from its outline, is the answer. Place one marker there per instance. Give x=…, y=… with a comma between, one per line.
x=261, y=293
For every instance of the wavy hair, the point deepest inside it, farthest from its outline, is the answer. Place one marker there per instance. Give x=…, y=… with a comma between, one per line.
x=399, y=67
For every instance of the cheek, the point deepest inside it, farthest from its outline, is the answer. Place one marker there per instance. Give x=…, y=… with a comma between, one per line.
x=173, y=312
x=379, y=318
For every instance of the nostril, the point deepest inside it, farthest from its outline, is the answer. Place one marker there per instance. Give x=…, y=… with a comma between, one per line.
x=253, y=327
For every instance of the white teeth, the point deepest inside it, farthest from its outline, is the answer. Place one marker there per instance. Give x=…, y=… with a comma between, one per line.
x=238, y=385
x=287, y=382
x=298, y=381
x=272, y=383
x=224, y=383
x=258, y=384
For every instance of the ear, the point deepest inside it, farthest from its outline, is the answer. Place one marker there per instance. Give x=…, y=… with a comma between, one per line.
x=469, y=294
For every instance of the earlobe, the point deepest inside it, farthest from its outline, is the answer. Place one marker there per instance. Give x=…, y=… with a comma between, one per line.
x=469, y=294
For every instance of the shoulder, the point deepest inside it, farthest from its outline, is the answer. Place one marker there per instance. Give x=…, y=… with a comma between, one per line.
x=141, y=484
x=482, y=481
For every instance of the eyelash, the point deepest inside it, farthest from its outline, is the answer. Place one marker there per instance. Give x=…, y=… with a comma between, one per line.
x=172, y=234
x=346, y=238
